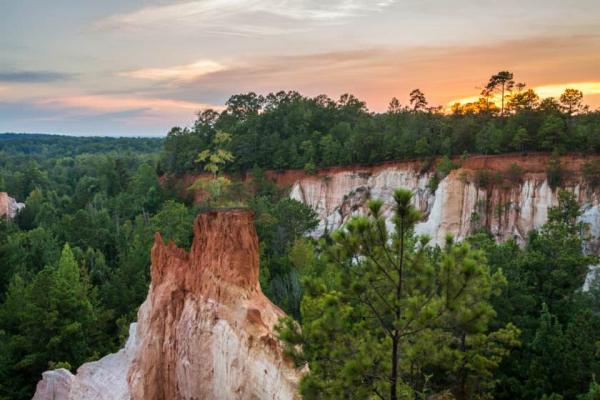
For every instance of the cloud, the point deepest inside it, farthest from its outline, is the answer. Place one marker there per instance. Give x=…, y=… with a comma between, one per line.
x=33, y=76
x=377, y=74
x=111, y=104
x=98, y=114
x=176, y=73
x=242, y=17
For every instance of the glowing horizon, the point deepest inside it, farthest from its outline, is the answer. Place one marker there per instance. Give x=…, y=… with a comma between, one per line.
x=544, y=91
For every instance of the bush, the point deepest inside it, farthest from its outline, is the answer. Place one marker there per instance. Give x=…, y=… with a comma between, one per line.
x=444, y=167
x=310, y=168
x=514, y=173
x=555, y=172
x=486, y=178
x=433, y=182
x=591, y=173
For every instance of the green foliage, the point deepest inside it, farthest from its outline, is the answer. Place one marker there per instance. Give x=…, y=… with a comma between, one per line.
x=514, y=173
x=389, y=317
x=591, y=173
x=543, y=299
x=501, y=82
x=487, y=178
x=214, y=159
x=100, y=196
x=50, y=320
x=592, y=394
x=555, y=173
x=442, y=170
x=280, y=223
x=286, y=130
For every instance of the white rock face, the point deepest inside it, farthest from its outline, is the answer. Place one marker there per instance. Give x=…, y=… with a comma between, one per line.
x=457, y=207
x=105, y=379
x=9, y=207
x=339, y=196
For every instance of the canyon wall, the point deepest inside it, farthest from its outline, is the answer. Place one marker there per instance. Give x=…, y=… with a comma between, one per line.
x=9, y=207
x=205, y=330
x=460, y=204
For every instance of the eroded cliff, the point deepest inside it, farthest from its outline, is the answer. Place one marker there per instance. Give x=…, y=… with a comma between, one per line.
x=205, y=330
x=460, y=204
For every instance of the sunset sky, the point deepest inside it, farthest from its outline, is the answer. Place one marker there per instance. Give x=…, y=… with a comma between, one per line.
x=139, y=67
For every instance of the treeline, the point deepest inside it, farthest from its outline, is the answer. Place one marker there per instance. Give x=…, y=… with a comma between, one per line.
x=46, y=146
x=287, y=130
x=75, y=262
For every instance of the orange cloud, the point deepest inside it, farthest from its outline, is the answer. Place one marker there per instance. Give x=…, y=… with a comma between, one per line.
x=147, y=111
x=445, y=74
x=177, y=73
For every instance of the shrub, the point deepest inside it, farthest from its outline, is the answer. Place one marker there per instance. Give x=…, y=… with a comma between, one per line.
x=433, y=182
x=555, y=172
x=514, y=173
x=310, y=168
x=486, y=178
x=441, y=171
x=464, y=176
x=446, y=165
x=591, y=173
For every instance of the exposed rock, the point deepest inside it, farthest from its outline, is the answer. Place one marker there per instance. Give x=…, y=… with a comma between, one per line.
x=458, y=206
x=205, y=330
x=9, y=207
x=105, y=379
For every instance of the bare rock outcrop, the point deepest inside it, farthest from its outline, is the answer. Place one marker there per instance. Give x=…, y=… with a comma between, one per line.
x=205, y=331
x=459, y=205
x=9, y=207
x=206, y=328
x=105, y=379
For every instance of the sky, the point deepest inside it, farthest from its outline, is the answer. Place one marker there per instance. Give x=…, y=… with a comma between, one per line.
x=140, y=67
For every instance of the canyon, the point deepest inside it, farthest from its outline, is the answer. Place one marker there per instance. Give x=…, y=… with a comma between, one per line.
x=205, y=331
x=461, y=204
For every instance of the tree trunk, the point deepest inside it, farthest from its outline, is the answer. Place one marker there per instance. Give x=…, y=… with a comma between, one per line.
x=394, y=374
x=396, y=336
x=502, y=109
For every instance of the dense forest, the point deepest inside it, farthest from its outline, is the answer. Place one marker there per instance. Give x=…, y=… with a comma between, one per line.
x=287, y=130
x=74, y=264
x=378, y=311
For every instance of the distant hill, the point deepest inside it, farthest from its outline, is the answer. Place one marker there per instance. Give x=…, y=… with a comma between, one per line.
x=62, y=146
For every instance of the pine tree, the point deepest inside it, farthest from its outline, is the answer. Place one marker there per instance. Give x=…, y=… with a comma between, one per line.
x=388, y=310
x=49, y=323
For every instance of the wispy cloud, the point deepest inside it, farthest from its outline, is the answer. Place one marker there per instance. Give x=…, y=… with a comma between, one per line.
x=33, y=76
x=106, y=103
x=262, y=17
x=176, y=73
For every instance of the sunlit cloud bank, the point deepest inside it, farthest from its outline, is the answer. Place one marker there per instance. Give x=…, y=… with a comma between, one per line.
x=111, y=103
x=177, y=73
